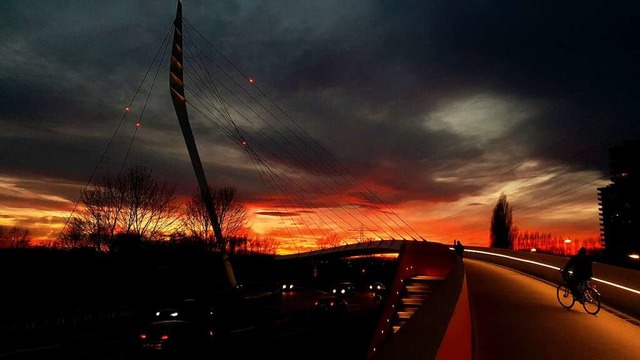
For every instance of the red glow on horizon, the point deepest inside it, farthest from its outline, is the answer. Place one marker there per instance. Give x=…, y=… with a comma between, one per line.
x=557, y=245
x=293, y=227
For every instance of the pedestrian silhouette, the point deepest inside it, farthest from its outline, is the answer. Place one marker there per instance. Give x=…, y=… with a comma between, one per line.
x=459, y=248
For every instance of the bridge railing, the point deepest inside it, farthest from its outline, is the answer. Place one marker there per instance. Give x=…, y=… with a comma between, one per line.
x=620, y=287
x=441, y=327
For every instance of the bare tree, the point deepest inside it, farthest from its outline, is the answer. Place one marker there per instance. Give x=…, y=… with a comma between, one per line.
x=230, y=211
x=329, y=241
x=103, y=205
x=76, y=234
x=148, y=207
x=502, y=230
x=265, y=245
x=134, y=202
x=14, y=237
x=195, y=220
x=237, y=244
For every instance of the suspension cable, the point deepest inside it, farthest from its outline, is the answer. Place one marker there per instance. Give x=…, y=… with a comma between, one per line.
x=113, y=135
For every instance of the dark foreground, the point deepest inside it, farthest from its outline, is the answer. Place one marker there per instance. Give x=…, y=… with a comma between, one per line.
x=87, y=307
x=296, y=334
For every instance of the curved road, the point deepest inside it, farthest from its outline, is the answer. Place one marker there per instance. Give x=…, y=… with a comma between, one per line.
x=516, y=316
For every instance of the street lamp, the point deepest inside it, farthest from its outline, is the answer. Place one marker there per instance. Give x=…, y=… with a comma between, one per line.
x=566, y=243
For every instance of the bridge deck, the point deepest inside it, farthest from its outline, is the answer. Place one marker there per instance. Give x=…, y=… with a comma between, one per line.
x=516, y=316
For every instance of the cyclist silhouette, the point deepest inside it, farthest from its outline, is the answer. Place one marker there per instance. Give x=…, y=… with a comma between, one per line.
x=580, y=267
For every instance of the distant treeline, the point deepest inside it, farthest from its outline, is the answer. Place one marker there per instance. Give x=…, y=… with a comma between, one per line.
x=548, y=243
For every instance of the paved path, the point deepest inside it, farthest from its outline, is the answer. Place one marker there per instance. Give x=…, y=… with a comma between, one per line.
x=518, y=317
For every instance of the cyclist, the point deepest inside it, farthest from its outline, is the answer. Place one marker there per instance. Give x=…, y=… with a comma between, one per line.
x=580, y=266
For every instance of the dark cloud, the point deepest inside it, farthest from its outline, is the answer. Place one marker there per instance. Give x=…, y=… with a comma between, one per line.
x=277, y=213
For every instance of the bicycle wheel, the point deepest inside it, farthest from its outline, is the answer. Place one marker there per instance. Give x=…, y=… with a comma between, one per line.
x=591, y=302
x=565, y=298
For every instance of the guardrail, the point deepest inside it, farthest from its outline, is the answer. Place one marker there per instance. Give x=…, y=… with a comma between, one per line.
x=620, y=287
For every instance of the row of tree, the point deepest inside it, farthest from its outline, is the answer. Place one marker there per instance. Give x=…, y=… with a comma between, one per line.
x=504, y=234
x=136, y=205
x=548, y=243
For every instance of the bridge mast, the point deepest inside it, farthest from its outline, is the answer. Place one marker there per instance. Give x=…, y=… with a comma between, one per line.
x=176, y=86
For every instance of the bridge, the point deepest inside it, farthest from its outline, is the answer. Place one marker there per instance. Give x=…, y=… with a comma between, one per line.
x=491, y=305
x=438, y=306
x=496, y=304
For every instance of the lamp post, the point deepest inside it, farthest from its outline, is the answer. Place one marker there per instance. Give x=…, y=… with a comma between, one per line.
x=566, y=244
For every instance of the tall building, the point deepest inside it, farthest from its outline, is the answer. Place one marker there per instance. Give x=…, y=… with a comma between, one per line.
x=620, y=204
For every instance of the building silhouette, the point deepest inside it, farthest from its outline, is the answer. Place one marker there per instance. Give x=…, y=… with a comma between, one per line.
x=619, y=204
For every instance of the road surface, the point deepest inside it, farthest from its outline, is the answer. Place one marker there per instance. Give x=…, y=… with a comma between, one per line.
x=518, y=317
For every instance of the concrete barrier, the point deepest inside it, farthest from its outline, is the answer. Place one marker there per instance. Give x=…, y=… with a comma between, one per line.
x=619, y=287
x=439, y=329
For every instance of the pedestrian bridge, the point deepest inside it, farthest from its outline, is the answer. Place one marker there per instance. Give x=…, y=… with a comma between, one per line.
x=437, y=306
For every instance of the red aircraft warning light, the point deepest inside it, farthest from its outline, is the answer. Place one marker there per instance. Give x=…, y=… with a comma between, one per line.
x=251, y=81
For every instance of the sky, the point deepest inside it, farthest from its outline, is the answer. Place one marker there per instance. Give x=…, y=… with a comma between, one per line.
x=435, y=108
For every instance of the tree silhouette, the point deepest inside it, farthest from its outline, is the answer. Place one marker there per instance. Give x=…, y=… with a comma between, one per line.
x=502, y=229
x=231, y=213
x=264, y=245
x=134, y=202
x=76, y=234
x=329, y=241
x=14, y=237
x=149, y=205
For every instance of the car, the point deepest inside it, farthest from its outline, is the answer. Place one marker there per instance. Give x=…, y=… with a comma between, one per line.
x=345, y=288
x=187, y=325
x=378, y=291
x=377, y=286
x=174, y=337
x=192, y=310
x=287, y=286
x=329, y=307
x=167, y=314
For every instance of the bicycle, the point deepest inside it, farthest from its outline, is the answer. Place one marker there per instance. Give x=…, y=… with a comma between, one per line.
x=589, y=297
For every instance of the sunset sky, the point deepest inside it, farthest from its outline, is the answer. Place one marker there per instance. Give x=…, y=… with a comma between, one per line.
x=435, y=107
